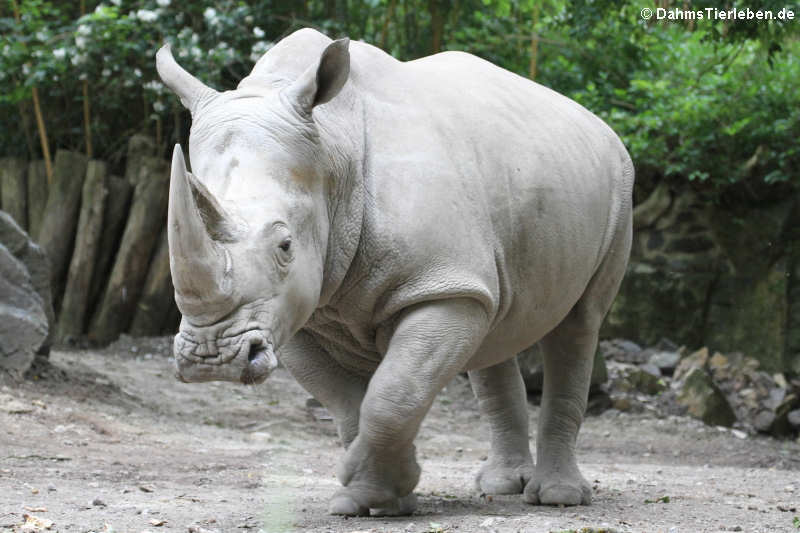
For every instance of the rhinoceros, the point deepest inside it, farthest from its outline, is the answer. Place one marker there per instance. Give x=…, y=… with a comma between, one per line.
x=381, y=226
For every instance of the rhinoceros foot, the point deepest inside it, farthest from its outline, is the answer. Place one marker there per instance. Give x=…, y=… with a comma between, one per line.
x=400, y=507
x=497, y=478
x=558, y=488
x=343, y=503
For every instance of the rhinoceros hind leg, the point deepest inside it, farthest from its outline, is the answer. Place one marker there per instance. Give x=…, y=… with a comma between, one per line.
x=567, y=370
x=503, y=404
x=568, y=352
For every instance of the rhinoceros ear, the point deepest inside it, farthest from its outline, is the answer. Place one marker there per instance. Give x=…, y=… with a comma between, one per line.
x=324, y=79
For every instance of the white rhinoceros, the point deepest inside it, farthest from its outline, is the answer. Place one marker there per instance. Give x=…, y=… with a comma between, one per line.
x=387, y=225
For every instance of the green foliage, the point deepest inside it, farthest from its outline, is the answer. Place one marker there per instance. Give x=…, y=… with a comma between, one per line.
x=706, y=104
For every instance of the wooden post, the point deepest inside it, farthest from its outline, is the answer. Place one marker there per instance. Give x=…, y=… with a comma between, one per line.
x=57, y=231
x=14, y=189
x=72, y=317
x=145, y=223
x=37, y=196
x=153, y=309
x=115, y=213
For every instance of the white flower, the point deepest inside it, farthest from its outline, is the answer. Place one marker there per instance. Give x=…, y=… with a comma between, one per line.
x=137, y=73
x=41, y=35
x=249, y=19
x=258, y=49
x=83, y=76
x=258, y=32
x=146, y=15
x=163, y=3
x=59, y=53
x=116, y=2
x=154, y=86
x=26, y=69
x=159, y=107
x=106, y=73
x=210, y=14
x=77, y=59
x=80, y=42
x=196, y=52
x=84, y=29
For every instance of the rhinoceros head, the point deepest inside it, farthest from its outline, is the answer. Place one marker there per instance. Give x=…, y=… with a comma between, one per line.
x=248, y=229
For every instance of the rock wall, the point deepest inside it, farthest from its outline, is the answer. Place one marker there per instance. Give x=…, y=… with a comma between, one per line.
x=708, y=275
x=26, y=311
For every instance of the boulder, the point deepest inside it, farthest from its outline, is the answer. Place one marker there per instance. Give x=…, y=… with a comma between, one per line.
x=697, y=359
x=665, y=361
x=622, y=351
x=25, y=306
x=703, y=399
x=627, y=378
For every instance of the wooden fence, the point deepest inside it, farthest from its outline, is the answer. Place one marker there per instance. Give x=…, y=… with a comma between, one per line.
x=105, y=238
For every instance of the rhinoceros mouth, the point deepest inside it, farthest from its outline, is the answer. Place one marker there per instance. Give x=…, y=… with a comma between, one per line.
x=251, y=362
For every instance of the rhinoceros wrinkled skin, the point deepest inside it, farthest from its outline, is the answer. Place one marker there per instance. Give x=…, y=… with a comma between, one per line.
x=383, y=226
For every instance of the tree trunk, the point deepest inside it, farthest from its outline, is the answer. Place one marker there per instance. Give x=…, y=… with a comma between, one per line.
x=115, y=214
x=153, y=309
x=37, y=196
x=437, y=10
x=14, y=189
x=57, y=231
x=72, y=317
x=145, y=223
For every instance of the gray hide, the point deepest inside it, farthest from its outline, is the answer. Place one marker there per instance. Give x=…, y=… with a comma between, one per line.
x=387, y=225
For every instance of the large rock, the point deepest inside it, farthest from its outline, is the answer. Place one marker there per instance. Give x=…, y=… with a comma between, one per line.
x=703, y=399
x=25, y=306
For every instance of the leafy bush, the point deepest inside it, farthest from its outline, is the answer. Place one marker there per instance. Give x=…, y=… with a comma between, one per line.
x=704, y=104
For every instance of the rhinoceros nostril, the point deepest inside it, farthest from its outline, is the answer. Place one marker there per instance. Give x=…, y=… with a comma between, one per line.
x=255, y=349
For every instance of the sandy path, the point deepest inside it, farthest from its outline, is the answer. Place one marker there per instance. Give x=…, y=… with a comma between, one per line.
x=108, y=441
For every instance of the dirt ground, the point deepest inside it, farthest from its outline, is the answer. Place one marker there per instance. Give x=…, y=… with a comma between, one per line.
x=109, y=441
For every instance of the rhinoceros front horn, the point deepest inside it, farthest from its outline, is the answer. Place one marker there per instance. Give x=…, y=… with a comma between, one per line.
x=197, y=227
x=189, y=89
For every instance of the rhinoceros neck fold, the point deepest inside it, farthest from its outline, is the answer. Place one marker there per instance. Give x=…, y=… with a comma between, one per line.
x=342, y=132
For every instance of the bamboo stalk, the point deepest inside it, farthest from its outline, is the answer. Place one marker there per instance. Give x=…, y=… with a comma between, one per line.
x=534, y=44
x=86, y=111
x=37, y=109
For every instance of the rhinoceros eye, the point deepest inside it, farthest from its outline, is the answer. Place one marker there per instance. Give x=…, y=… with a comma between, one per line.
x=285, y=244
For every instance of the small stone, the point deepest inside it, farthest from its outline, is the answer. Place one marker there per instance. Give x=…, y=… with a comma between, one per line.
x=97, y=502
x=739, y=434
x=794, y=418
x=621, y=403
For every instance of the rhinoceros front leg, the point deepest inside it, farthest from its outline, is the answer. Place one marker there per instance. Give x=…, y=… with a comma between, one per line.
x=339, y=390
x=502, y=402
x=431, y=343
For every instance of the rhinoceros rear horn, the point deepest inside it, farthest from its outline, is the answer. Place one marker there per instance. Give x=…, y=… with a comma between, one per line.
x=189, y=89
x=197, y=227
